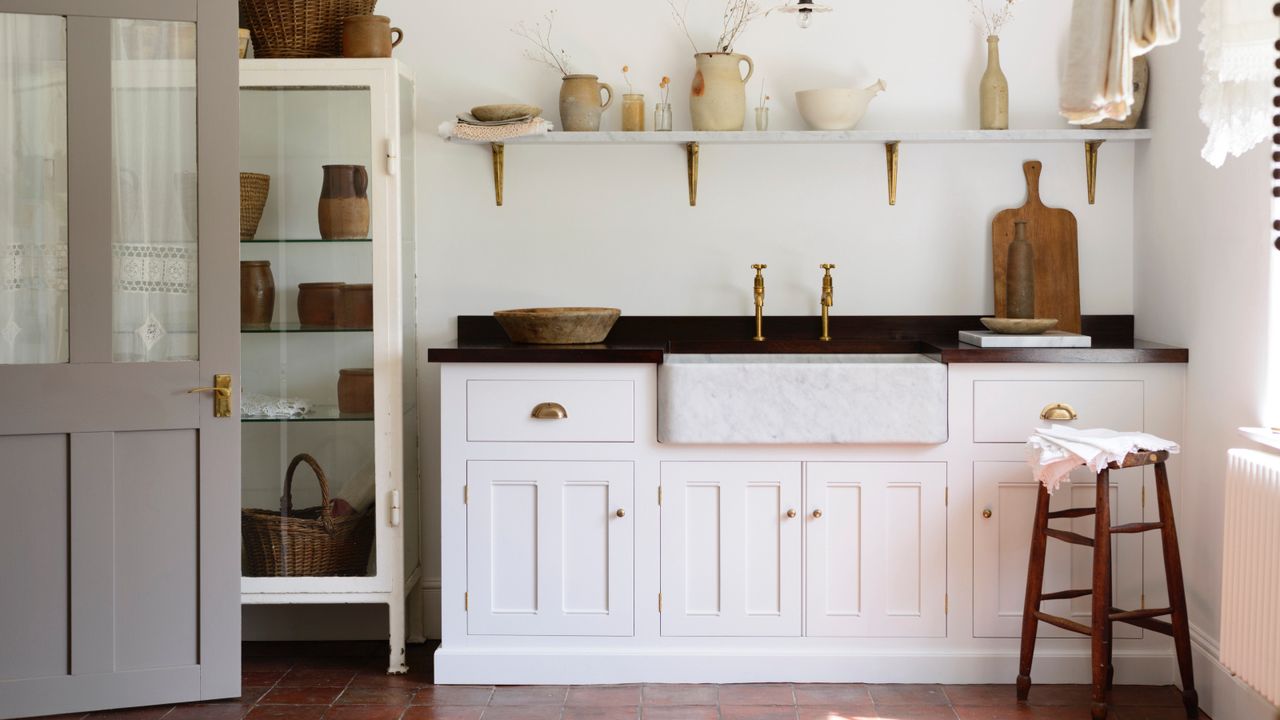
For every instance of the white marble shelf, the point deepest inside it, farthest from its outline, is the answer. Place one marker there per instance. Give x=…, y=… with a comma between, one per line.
x=819, y=137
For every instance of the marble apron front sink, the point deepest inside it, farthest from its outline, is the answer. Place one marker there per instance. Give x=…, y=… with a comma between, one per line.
x=764, y=399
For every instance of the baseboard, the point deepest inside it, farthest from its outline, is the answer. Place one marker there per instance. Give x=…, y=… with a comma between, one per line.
x=1223, y=695
x=431, y=608
x=508, y=666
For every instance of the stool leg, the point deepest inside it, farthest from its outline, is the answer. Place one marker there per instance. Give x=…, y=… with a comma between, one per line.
x=1101, y=636
x=1177, y=592
x=1035, y=586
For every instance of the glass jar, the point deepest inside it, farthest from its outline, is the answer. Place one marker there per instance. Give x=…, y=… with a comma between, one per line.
x=633, y=112
x=762, y=119
x=662, y=117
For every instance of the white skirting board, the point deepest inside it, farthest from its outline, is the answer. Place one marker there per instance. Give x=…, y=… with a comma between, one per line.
x=1222, y=695
x=532, y=667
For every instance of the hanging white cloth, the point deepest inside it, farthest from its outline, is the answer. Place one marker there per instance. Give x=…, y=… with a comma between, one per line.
x=1105, y=36
x=1237, y=43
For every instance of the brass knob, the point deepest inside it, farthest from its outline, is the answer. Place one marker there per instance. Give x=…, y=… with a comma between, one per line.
x=1058, y=411
x=986, y=513
x=791, y=513
x=817, y=513
x=549, y=411
x=621, y=513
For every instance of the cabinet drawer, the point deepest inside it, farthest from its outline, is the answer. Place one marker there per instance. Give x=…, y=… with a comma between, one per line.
x=593, y=411
x=1009, y=410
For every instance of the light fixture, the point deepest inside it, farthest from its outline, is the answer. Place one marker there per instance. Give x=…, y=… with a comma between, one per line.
x=804, y=10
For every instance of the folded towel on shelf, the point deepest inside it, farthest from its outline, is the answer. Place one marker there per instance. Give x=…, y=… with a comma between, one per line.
x=256, y=405
x=464, y=130
x=1054, y=452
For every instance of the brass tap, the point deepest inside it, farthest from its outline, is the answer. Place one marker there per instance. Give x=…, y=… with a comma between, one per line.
x=828, y=300
x=759, y=295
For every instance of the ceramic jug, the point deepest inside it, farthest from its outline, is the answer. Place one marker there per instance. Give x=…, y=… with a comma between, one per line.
x=580, y=106
x=344, y=204
x=718, y=100
x=369, y=36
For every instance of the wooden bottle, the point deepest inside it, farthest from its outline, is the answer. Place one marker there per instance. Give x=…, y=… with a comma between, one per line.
x=1020, y=275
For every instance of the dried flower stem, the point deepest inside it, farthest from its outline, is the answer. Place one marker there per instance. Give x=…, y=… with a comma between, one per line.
x=680, y=15
x=993, y=21
x=733, y=22
x=544, y=52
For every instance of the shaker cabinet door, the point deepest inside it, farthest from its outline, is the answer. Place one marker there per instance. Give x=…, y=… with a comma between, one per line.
x=731, y=548
x=550, y=548
x=876, y=549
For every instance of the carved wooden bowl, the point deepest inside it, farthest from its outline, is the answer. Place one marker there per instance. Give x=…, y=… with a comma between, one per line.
x=558, y=326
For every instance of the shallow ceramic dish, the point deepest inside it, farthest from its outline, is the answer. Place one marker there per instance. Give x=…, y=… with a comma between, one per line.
x=558, y=326
x=509, y=111
x=836, y=108
x=1019, y=326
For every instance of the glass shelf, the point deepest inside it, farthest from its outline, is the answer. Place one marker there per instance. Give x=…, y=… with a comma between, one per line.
x=321, y=413
x=276, y=241
x=296, y=328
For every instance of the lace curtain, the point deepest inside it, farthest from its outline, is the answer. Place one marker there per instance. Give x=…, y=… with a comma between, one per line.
x=1237, y=42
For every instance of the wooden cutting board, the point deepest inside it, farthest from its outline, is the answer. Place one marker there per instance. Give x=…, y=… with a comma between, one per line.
x=1052, y=234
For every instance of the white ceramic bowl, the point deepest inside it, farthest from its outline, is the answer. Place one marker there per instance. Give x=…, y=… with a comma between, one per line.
x=835, y=108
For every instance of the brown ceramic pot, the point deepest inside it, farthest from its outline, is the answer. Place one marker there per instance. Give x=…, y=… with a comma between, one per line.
x=344, y=203
x=355, y=306
x=257, y=294
x=355, y=390
x=318, y=304
x=369, y=36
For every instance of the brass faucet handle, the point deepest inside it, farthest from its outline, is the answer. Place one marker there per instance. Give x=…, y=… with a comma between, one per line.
x=827, y=266
x=758, y=267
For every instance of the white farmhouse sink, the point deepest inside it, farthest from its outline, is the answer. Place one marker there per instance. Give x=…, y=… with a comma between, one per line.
x=802, y=399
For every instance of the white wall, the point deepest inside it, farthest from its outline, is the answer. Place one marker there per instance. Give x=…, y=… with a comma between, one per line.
x=1202, y=269
x=612, y=225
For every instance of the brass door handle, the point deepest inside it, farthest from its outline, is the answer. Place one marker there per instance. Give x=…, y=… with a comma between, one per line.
x=791, y=513
x=221, y=394
x=986, y=513
x=817, y=513
x=549, y=411
x=1058, y=411
x=621, y=513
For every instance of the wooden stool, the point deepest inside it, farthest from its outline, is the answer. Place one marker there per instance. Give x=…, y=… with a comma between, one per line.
x=1103, y=612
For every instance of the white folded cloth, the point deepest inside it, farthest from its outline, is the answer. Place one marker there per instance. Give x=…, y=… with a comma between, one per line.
x=256, y=405
x=493, y=133
x=1054, y=452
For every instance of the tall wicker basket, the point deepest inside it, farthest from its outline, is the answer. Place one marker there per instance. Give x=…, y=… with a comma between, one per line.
x=299, y=28
x=309, y=542
x=253, y=198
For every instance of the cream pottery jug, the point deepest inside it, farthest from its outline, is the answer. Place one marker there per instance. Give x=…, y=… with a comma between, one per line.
x=836, y=108
x=718, y=100
x=580, y=105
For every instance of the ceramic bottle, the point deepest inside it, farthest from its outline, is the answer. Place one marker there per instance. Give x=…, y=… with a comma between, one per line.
x=993, y=91
x=1020, y=275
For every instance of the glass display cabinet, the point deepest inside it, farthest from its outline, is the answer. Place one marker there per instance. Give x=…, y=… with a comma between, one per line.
x=330, y=491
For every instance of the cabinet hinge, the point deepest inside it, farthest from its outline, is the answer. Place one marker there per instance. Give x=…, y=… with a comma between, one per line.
x=395, y=508
x=466, y=494
x=659, y=494
x=946, y=603
x=946, y=497
x=659, y=602
x=466, y=602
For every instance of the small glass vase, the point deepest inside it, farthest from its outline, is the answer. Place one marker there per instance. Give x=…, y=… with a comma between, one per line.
x=633, y=112
x=762, y=119
x=662, y=117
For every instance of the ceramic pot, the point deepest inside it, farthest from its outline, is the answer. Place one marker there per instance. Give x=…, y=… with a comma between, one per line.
x=369, y=36
x=257, y=294
x=355, y=306
x=355, y=390
x=318, y=304
x=1020, y=276
x=344, y=203
x=580, y=106
x=718, y=99
x=993, y=91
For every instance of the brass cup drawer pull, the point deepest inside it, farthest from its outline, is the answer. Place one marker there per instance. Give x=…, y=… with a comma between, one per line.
x=549, y=411
x=1060, y=412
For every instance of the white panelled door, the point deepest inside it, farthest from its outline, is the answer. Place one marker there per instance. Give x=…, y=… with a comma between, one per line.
x=731, y=548
x=876, y=549
x=550, y=548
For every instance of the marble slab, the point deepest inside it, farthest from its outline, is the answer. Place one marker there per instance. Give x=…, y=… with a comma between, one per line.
x=806, y=137
x=802, y=399
x=1050, y=339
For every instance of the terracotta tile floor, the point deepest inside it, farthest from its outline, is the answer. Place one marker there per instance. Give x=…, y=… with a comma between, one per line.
x=345, y=681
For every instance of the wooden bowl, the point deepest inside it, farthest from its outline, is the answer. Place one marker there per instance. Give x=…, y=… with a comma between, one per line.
x=1019, y=326
x=558, y=326
x=510, y=111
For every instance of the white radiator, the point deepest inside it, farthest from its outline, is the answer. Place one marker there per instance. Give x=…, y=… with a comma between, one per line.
x=1250, y=644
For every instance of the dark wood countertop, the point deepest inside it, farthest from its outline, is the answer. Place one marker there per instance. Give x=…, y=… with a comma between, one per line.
x=647, y=339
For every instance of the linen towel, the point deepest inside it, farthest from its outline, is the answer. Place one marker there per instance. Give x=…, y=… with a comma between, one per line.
x=1235, y=87
x=1054, y=452
x=1104, y=38
x=493, y=133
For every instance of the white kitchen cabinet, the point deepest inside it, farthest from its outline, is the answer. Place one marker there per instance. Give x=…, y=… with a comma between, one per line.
x=550, y=548
x=875, y=549
x=1007, y=411
x=1004, y=501
x=731, y=548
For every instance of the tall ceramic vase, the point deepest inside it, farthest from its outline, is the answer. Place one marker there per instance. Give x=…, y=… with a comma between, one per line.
x=993, y=91
x=344, y=203
x=718, y=100
x=580, y=105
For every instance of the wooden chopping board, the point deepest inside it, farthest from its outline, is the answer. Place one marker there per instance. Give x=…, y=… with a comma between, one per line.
x=1052, y=234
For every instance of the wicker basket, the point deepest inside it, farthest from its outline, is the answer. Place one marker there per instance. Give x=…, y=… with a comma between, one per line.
x=253, y=197
x=299, y=28
x=309, y=542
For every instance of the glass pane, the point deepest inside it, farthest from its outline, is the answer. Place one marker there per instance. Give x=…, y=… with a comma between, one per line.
x=33, y=189
x=153, y=234
x=302, y=354
x=409, y=329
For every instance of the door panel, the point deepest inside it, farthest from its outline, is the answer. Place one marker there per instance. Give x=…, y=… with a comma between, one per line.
x=730, y=553
x=547, y=552
x=876, y=555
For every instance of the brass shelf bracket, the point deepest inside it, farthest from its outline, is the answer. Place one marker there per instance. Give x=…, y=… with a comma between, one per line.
x=499, y=167
x=691, y=152
x=891, y=166
x=1091, y=166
